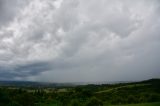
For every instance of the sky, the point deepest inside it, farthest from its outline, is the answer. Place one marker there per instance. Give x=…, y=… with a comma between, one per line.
x=79, y=40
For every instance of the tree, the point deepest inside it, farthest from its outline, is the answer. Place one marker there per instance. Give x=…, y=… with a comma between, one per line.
x=75, y=102
x=94, y=102
x=26, y=99
x=4, y=98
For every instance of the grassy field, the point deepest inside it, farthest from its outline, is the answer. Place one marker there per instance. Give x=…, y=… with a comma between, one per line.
x=126, y=86
x=141, y=104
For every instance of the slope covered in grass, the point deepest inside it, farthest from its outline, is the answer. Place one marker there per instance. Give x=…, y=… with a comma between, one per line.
x=141, y=104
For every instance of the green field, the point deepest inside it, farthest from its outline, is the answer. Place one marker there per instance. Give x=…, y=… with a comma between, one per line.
x=121, y=87
x=141, y=104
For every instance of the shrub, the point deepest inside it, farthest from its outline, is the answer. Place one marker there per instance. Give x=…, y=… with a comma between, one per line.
x=94, y=102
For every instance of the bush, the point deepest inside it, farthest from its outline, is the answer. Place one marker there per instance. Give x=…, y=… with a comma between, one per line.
x=94, y=102
x=75, y=102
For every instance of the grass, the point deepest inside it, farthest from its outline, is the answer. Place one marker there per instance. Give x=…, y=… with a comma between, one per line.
x=53, y=104
x=141, y=104
x=125, y=86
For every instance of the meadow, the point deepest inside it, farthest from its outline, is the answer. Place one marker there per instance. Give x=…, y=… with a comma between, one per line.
x=141, y=104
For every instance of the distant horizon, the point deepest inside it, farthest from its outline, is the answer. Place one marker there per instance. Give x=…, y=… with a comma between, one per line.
x=96, y=82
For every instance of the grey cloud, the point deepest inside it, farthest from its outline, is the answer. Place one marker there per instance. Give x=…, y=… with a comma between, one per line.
x=81, y=40
x=9, y=10
x=23, y=70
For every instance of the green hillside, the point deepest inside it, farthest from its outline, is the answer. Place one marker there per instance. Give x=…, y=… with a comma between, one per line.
x=145, y=93
x=141, y=104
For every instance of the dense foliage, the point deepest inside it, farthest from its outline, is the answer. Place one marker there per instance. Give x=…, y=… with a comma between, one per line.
x=86, y=95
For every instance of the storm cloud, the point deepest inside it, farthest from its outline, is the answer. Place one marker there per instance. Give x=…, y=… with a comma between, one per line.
x=79, y=40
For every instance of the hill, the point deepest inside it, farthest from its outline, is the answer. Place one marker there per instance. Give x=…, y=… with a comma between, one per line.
x=43, y=94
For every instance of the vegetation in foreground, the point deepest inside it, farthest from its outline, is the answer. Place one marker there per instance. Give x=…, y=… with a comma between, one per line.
x=84, y=95
x=141, y=104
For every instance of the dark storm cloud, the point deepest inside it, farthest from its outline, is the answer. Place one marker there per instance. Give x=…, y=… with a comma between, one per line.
x=23, y=70
x=79, y=40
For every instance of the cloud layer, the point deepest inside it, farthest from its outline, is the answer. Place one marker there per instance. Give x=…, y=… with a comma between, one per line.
x=79, y=40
